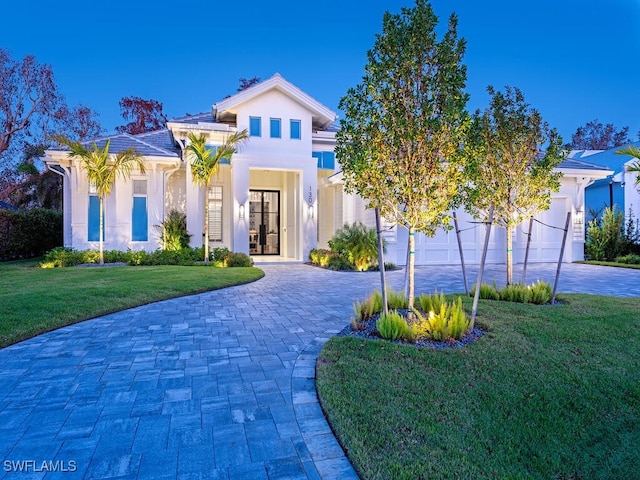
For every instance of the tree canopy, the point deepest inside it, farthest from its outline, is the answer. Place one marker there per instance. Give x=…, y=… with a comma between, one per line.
x=512, y=154
x=596, y=136
x=399, y=142
x=145, y=115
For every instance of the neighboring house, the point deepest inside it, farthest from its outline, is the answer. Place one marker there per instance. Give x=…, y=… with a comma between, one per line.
x=617, y=189
x=281, y=194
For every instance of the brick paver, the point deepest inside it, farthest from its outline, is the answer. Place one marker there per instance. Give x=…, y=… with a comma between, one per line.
x=218, y=385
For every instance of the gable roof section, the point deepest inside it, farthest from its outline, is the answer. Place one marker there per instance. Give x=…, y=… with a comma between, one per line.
x=322, y=116
x=612, y=160
x=150, y=144
x=575, y=164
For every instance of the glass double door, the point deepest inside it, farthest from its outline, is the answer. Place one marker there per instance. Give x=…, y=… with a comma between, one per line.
x=264, y=222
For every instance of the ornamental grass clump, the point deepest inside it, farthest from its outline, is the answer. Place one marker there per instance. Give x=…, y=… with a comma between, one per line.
x=516, y=292
x=449, y=322
x=487, y=292
x=393, y=326
x=540, y=293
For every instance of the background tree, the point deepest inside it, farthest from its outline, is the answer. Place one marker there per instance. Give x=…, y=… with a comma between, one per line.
x=596, y=136
x=102, y=169
x=507, y=166
x=247, y=83
x=204, y=165
x=145, y=115
x=399, y=140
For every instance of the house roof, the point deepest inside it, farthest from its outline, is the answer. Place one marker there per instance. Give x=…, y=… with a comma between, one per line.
x=151, y=144
x=612, y=160
x=206, y=117
x=322, y=116
x=576, y=164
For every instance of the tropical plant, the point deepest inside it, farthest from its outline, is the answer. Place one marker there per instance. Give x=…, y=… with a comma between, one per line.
x=448, y=322
x=102, y=169
x=540, y=293
x=515, y=292
x=204, y=165
x=512, y=154
x=173, y=231
x=635, y=166
x=487, y=292
x=399, y=141
x=358, y=244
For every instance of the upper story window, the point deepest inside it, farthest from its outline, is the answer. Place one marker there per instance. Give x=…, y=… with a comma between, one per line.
x=296, y=131
x=255, y=126
x=276, y=128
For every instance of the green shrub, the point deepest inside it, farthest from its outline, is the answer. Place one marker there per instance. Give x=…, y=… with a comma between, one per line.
x=236, y=259
x=29, y=233
x=606, y=236
x=516, y=292
x=173, y=231
x=487, y=292
x=393, y=326
x=357, y=244
x=339, y=263
x=630, y=259
x=540, y=293
x=218, y=256
x=321, y=256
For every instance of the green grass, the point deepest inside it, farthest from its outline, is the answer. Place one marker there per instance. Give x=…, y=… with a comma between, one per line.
x=37, y=300
x=610, y=264
x=550, y=392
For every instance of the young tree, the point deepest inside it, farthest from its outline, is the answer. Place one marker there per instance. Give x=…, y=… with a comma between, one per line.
x=145, y=115
x=399, y=142
x=596, y=136
x=102, y=169
x=204, y=165
x=507, y=166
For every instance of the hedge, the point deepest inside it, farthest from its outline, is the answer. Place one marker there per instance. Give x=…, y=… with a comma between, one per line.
x=29, y=233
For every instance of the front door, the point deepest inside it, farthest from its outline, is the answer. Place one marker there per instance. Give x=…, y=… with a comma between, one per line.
x=264, y=222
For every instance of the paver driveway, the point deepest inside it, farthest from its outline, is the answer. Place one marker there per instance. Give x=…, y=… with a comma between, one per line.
x=217, y=385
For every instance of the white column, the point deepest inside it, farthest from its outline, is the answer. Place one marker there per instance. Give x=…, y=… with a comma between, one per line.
x=240, y=199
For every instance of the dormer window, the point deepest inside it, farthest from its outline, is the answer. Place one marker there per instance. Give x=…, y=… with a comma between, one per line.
x=255, y=126
x=275, y=128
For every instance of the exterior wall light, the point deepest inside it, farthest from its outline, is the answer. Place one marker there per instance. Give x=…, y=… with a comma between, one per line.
x=578, y=219
x=241, y=211
x=310, y=211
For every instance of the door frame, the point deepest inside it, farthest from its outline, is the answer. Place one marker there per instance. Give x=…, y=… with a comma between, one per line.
x=261, y=236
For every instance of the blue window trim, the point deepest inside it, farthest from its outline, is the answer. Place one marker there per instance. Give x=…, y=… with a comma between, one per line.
x=326, y=160
x=255, y=126
x=275, y=127
x=93, y=221
x=139, y=220
x=295, y=129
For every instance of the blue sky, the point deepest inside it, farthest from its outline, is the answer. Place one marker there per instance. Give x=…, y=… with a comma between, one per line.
x=575, y=60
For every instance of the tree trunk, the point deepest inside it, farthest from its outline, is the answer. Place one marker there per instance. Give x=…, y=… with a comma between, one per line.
x=101, y=230
x=412, y=266
x=206, y=224
x=383, y=281
x=509, y=255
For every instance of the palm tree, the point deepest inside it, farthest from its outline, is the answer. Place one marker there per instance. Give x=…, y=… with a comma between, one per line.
x=102, y=170
x=204, y=165
x=635, y=166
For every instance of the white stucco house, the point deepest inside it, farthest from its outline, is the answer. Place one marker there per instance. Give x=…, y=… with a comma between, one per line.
x=281, y=195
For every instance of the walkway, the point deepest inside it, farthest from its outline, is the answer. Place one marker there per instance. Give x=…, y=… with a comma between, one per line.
x=218, y=385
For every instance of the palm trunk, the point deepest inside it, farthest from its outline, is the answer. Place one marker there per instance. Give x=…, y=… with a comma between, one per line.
x=412, y=266
x=206, y=224
x=509, y=255
x=101, y=229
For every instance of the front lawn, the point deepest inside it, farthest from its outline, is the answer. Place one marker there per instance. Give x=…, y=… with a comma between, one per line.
x=37, y=300
x=550, y=392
